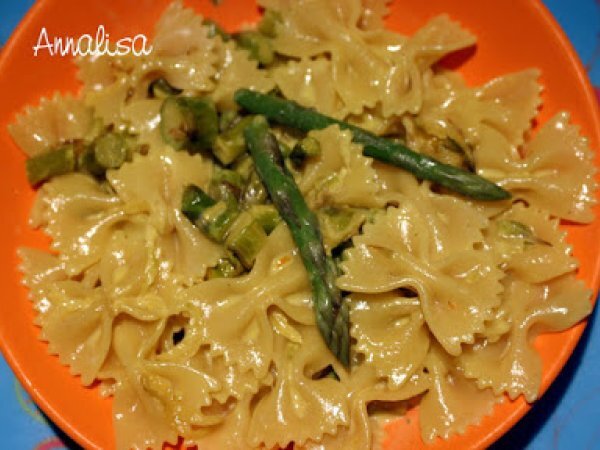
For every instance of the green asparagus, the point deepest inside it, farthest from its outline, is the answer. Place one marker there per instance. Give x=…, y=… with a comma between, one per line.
x=239, y=231
x=189, y=123
x=160, y=88
x=47, y=165
x=331, y=311
x=291, y=114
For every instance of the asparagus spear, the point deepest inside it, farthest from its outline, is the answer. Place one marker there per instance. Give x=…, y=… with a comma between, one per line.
x=291, y=114
x=331, y=312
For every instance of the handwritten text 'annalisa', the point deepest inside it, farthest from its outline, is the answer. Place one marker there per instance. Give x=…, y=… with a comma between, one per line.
x=88, y=45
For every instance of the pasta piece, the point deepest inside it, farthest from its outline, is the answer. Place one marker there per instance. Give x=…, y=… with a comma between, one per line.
x=139, y=418
x=40, y=270
x=557, y=173
x=366, y=67
x=231, y=433
x=54, y=121
x=373, y=13
x=310, y=83
x=511, y=364
x=298, y=407
x=367, y=393
x=398, y=347
x=143, y=119
x=235, y=311
x=453, y=402
x=234, y=382
x=236, y=71
x=492, y=119
x=341, y=175
x=138, y=425
x=108, y=102
x=79, y=217
x=412, y=248
x=183, y=50
x=517, y=99
x=77, y=323
x=170, y=172
x=439, y=37
x=537, y=258
x=129, y=265
x=99, y=72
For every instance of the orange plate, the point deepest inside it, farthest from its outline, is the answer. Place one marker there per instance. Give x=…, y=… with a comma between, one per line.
x=512, y=36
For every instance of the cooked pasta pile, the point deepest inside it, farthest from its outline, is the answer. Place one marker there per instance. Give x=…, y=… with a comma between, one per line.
x=445, y=292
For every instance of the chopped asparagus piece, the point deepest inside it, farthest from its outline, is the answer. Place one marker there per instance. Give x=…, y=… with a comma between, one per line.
x=228, y=119
x=512, y=229
x=244, y=166
x=268, y=23
x=266, y=215
x=259, y=46
x=217, y=219
x=339, y=224
x=110, y=150
x=255, y=192
x=189, y=123
x=86, y=162
x=50, y=164
x=231, y=144
x=194, y=201
x=245, y=238
x=227, y=267
x=226, y=185
x=304, y=148
x=160, y=88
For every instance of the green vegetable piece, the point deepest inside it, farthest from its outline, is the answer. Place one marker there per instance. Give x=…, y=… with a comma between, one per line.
x=226, y=185
x=228, y=119
x=245, y=238
x=304, y=148
x=50, y=164
x=266, y=215
x=227, y=267
x=244, y=166
x=217, y=219
x=160, y=88
x=464, y=152
x=214, y=29
x=255, y=192
x=339, y=224
x=86, y=162
x=110, y=150
x=189, y=123
x=268, y=24
x=291, y=114
x=231, y=144
x=259, y=46
x=194, y=201
x=511, y=229
x=331, y=311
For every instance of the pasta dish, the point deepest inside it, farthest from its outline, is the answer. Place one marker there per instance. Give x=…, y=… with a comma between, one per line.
x=295, y=233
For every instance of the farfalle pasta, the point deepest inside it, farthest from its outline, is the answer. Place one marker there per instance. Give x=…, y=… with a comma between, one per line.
x=176, y=281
